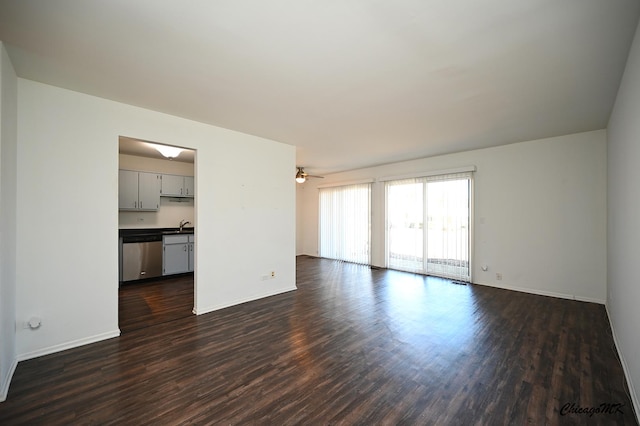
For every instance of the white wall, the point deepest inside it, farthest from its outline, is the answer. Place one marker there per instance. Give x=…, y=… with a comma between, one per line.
x=540, y=213
x=8, y=149
x=623, y=296
x=67, y=267
x=171, y=211
x=169, y=215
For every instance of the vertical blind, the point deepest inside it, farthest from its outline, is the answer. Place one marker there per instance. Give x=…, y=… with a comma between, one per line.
x=428, y=225
x=345, y=223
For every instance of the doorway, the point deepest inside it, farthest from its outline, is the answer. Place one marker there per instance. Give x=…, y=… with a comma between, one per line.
x=163, y=212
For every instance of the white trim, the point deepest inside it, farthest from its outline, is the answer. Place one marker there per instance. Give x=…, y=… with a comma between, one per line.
x=472, y=226
x=4, y=390
x=633, y=395
x=240, y=301
x=465, y=169
x=544, y=293
x=69, y=345
x=351, y=182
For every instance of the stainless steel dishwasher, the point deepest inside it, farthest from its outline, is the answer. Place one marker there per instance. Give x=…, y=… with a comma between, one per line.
x=141, y=257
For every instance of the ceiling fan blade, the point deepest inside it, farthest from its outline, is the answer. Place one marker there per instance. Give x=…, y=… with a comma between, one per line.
x=301, y=175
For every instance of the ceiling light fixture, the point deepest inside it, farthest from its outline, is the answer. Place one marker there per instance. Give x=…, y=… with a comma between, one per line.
x=169, y=152
x=300, y=176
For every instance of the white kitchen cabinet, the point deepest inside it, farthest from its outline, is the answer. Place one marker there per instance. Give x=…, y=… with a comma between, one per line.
x=175, y=256
x=192, y=240
x=172, y=186
x=127, y=190
x=149, y=191
x=189, y=186
x=177, y=186
x=178, y=254
x=138, y=190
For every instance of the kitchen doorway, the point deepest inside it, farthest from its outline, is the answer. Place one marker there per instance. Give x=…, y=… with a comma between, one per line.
x=156, y=207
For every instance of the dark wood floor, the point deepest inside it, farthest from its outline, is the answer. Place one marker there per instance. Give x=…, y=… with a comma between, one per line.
x=351, y=346
x=154, y=302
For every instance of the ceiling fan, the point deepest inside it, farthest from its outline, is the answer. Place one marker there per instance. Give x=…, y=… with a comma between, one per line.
x=301, y=175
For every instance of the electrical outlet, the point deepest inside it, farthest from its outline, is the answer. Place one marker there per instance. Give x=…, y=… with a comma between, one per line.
x=499, y=276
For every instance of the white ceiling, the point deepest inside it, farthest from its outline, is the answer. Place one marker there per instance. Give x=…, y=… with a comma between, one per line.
x=350, y=83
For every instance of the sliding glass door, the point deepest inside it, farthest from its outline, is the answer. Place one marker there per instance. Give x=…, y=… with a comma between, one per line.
x=428, y=225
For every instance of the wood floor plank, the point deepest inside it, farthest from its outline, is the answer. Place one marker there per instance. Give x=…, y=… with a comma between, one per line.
x=352, y=345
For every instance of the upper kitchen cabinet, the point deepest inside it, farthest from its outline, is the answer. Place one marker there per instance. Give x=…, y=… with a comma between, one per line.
x=177, y=186
x=138, y=190
x=189, y=186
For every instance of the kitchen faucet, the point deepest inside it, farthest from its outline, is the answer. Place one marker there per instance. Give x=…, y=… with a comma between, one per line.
x=183, y=223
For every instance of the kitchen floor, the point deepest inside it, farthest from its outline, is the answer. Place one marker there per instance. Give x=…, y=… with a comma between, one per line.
x=154, y=302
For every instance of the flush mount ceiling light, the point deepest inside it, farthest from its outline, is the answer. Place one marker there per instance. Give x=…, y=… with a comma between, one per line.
x=169, y=152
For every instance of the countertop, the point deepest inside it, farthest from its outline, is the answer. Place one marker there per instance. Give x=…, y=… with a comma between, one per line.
x=131, y=232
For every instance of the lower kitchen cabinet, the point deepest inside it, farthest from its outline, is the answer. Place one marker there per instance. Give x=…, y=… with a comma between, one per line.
x=192, y=240
x=178, y=254
x=175, y=256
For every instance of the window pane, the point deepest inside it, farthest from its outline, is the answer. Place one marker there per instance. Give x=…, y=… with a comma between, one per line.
x=405, y=200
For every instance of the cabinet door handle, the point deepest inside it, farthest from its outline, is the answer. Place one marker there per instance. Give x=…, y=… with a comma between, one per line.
x=135, y=204
x=185, y=248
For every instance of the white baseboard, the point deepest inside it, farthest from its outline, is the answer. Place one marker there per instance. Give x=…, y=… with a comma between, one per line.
x=6, y=381
x=632, y=390
x=545, y=293
x=69, y=345
x=241, y=301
